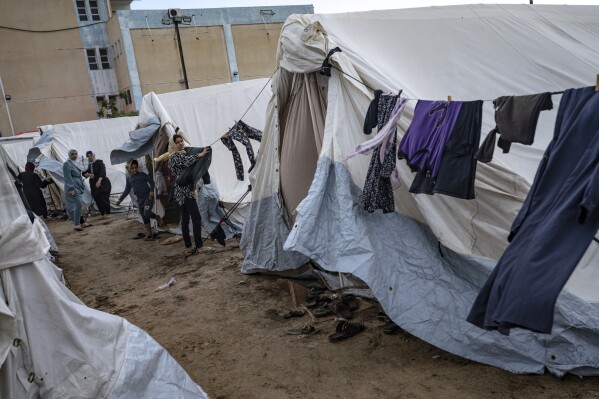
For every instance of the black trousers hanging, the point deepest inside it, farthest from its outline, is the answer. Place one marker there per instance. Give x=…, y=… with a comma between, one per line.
x=190, y=209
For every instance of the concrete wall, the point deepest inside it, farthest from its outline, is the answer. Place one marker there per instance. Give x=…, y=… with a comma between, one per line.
x=159, y=63
x=219, y=45
x=45, y=73
x=256, y=49
x=119, y=62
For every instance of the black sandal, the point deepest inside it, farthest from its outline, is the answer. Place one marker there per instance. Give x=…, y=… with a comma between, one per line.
x=191, y=252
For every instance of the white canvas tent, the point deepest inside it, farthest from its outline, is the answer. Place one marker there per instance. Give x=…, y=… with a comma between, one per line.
x=17, y=147
x=427, y=261
x=51, y=344
x=100, y=136
x=203, y=115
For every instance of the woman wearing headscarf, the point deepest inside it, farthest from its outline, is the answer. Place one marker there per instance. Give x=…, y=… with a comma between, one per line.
x=73, y=189
x=183, y=190
x=98, y=183
x=32, y=188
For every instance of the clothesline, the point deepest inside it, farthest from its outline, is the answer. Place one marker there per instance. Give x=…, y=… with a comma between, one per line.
x=250, y=106
x=413, y=99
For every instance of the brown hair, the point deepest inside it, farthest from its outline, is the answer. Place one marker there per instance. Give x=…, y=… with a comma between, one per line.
x=176, y=136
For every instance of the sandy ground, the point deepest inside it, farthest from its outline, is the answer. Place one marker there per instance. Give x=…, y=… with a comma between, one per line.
x=227, y=331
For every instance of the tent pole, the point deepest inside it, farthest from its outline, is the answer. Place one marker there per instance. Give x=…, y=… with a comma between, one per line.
x=181, y=54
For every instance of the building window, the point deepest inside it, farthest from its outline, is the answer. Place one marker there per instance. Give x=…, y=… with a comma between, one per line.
x=128, y=97
x=100, y=102
x=81, y=11
x=93, y=8
x=91, y=59
x=104, y=58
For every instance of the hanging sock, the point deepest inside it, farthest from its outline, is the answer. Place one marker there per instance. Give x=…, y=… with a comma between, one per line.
x=516, y=122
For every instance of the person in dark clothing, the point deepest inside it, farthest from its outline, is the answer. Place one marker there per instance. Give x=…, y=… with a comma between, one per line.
x=98, y=183
x=32, y=188
x=143, y=188
x=178, y=162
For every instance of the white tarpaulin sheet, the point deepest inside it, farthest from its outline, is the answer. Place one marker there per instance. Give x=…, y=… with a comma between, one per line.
x=17, y=148
x=469, y=52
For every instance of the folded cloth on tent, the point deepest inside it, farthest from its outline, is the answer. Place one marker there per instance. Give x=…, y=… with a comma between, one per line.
x=242, y=133
x=378, y=187
x=548, y=237
x=425, y=140
x=516, y=122
x=457, y=170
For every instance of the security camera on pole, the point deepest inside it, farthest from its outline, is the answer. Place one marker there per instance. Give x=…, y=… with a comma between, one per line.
x=174, y=16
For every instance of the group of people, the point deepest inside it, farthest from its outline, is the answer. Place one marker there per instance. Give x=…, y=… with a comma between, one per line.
x=187, y=165
x=73, y=187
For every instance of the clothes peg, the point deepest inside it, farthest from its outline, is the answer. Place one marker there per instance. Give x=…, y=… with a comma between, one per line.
x=448, y=99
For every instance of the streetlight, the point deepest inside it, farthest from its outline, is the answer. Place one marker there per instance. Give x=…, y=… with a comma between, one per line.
x=174, y=16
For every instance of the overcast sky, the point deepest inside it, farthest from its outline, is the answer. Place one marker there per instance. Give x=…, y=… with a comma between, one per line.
x=330, y=6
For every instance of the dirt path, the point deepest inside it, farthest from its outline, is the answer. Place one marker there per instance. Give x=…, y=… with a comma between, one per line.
x=227, y=331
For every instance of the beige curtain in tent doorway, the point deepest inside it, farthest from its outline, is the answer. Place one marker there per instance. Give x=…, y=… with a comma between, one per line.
x=301, y=139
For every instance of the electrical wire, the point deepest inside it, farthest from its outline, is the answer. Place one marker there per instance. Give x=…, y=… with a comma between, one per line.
x=51, y=30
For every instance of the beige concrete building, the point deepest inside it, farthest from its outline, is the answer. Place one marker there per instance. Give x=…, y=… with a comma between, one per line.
x=64, y=59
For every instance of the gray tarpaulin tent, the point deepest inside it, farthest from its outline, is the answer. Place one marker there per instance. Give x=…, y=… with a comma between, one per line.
x=51, y=344
x=425, y=262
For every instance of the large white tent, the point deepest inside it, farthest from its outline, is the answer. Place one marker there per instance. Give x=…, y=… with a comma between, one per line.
x=51, y=344
x=427, y=261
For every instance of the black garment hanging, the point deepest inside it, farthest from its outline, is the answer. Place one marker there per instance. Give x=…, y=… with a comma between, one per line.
x=371, y=119
x=457, y=170
x=516, y=118
x=242, y=133
x=378, y=192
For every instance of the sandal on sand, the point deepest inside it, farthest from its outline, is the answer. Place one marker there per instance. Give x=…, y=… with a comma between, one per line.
x=78, y=228
x=139, y=236
x=293, y=313
x=305, y=330
x=86, y=225
x=345, y=330
x=191, y=251
x=322, y=311
x=351, y=300
x=341, y=309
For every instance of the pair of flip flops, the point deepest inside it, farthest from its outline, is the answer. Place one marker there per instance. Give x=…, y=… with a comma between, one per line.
x=341, y=307
x=305, y=330
x=346, y=329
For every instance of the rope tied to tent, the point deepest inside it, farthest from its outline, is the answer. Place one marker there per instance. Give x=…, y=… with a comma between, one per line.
x=325, y=69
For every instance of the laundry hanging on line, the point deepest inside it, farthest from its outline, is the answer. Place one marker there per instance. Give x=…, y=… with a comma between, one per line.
x=241, y=132
x=516, y=122
x=554, y=227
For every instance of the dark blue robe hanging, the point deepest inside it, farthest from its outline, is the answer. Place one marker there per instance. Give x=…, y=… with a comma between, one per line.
x=553, y=229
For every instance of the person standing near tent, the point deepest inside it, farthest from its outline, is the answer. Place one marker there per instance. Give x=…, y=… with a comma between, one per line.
x=143, y=188
x=180, y=163
x=73, y=189
x=32, y=187
x=99, y=183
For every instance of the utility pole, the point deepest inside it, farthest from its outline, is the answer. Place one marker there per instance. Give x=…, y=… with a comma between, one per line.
x=174, y=16
x=530, y=1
